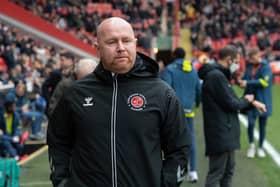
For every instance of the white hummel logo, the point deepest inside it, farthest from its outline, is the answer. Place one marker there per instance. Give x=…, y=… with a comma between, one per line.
x=88, y=101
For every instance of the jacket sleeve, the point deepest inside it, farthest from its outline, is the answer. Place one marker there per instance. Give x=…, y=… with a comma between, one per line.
x=264, y=80
x=175, y=142
x=60, y=139
x=224, y=95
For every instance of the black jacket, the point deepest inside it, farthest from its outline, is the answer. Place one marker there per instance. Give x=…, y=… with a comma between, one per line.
x=220, y=109
x=109, y=131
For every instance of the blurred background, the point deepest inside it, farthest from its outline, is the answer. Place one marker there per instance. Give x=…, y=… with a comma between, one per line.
x=39, y=38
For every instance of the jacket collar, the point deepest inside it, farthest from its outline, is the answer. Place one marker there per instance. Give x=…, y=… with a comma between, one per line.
x=144, y=67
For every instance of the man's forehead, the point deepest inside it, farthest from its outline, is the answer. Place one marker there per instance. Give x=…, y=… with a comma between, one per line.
x=112, y=24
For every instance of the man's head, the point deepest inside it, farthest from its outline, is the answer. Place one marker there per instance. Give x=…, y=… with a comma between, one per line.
x=229, y=57
x=67, y=63
x=179, y=53
x=20, y=88
x=84, y=67
x=254, y=56
x=67, y=60
x=116, y=45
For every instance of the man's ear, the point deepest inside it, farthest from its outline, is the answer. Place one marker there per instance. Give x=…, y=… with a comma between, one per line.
x=96, y=45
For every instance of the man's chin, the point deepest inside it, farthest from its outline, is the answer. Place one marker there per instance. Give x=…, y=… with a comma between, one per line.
x=123, y=68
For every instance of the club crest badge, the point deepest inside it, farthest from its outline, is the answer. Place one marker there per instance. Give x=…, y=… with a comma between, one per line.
x=136, y=102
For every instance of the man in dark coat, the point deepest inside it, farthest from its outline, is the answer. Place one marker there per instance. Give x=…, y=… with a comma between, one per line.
x=220, y=109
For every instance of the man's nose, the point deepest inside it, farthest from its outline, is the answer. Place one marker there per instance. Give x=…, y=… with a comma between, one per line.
x=120, y=46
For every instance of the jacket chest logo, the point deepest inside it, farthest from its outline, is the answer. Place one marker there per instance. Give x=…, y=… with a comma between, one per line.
x=88, y=101
x=136, y=102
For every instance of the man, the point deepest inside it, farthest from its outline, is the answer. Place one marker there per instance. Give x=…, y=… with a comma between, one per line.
x=220, y=109
x=57, y=74
x=84, y=67
x=257, y=80
x=111, y=127
x=183, y=78
x=79, y=70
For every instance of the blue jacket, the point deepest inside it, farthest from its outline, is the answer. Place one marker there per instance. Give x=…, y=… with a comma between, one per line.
x=183, y=78
x=260, y=84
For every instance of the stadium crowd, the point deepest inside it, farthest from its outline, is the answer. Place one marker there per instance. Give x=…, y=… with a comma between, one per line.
x=82, y=17
x=252, y=23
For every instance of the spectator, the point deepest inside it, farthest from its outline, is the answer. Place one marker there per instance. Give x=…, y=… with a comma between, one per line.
x=29, y=115
x=105, y=115
x=183, y=78
x=257, y=80
x=221, y=124
x=10, y=129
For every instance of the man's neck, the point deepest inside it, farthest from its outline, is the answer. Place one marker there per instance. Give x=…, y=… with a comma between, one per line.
x=223, y=63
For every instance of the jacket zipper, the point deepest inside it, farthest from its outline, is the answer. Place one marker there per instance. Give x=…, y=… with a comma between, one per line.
x=113, y=130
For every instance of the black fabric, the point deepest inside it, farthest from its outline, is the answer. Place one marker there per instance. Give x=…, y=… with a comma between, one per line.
x=220, y=109
x=80, y=135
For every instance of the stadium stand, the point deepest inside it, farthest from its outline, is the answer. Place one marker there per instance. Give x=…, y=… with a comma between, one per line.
x=252, y=23
x=80, y=18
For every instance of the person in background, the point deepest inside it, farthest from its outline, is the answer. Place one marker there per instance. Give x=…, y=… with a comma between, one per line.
x=28, y=113
x=10, y=132
x=220, y=116
x=183, y=78
x=82, y=68
x=257, y=80
x=113, y=125
x=67, y=60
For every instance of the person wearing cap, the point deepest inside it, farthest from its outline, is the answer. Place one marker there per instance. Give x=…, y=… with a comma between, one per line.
x=10, y=129
x=183, y=78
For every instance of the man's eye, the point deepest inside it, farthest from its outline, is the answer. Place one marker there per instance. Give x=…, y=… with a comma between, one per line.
x=111, y=42
x=127, y=40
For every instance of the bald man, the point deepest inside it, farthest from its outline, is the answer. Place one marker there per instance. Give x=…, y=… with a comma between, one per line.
x=112, y=126
x=84, y=67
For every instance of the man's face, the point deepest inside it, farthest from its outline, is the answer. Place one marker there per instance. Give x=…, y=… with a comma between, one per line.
x=256, y=58
x=66, y=62
x=234, y=60
x=116, y=45
x=20, y=89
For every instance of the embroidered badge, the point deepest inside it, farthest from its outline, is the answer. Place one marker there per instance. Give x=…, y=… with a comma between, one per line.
x=136, y=102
